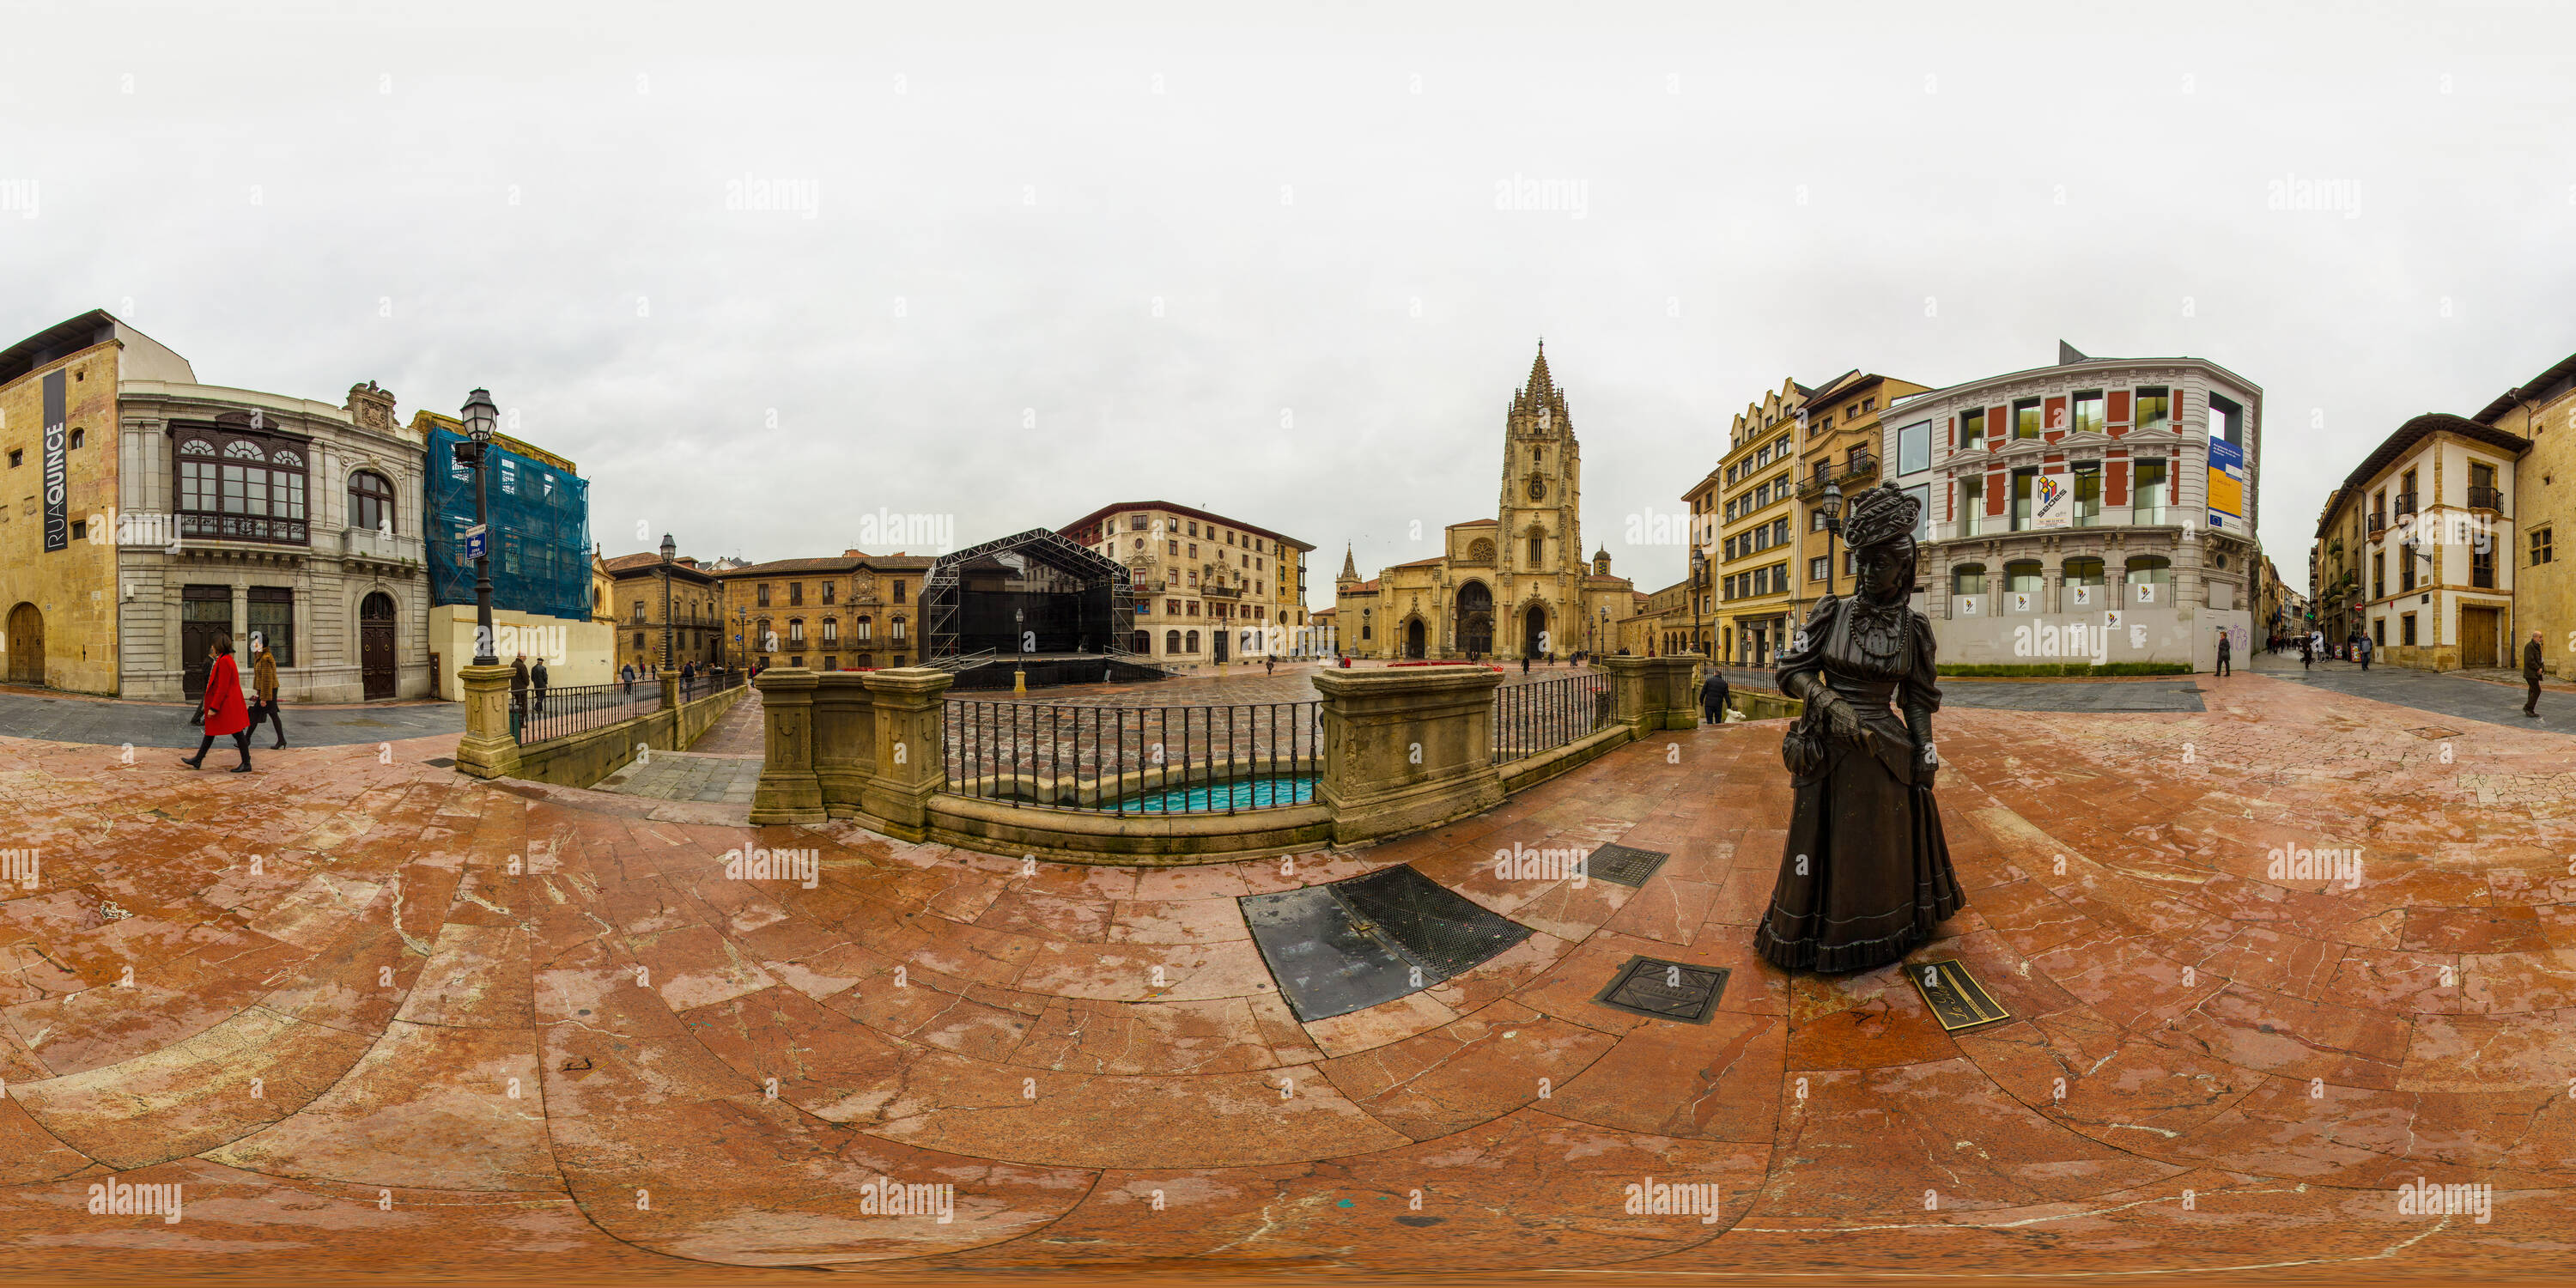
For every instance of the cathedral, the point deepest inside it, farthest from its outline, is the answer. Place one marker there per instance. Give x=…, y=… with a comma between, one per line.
x=1515, y=585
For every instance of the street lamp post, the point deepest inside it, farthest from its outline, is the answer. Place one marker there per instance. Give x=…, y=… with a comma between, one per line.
x=1832, y=505
x=1699, y=577
x=669, y=548
x=479, y=416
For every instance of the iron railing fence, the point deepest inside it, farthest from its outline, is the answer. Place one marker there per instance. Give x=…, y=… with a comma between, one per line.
x=1217, y=759
x=1546, y=714
x=565, y=709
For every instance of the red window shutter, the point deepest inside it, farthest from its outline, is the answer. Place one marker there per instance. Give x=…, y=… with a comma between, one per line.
x=2115, y=483
x=2052, y=418
x=1995, y=494
x=1999, y=427
x=2119, y=407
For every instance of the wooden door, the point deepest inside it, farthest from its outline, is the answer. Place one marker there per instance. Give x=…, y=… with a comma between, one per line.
x=2478, y=637
x=376, y=645
x=26, y=627
x=205, y=612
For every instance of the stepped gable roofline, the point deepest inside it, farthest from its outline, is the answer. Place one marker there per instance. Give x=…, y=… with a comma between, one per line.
x=2397, y=445
x=1187, y=510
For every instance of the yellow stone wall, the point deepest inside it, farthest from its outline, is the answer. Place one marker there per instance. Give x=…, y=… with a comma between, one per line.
x=74, y=589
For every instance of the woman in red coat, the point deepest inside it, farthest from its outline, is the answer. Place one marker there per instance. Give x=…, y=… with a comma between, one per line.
x=223, y=708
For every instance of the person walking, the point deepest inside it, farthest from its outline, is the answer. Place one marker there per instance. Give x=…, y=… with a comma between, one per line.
x=2362, y=648
x=2530, y=676
x=537, y=682
x=2307, y=651
x=518, y=694
x=263, y=682
x=224, y=713
x=2226, y=650
x=1712, y=697
x=1524, y=663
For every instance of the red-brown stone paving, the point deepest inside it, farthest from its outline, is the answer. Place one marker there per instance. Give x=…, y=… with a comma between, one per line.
x=384, y=1019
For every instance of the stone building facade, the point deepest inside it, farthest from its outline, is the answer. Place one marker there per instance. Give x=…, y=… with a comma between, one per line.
x=2542, y=412
x=1838, y=446
x=1515, y=585
x=642, y=600
x=2421, y=525
x=850, y=611
x=1757, y=527
x=205, y=511
x=2116, y=496
x=1207, y=588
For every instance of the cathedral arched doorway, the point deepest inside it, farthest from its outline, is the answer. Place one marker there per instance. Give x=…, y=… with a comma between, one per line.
x=26, y=644
x=1534, y=632
x=1413, y=642
x=1476, y=619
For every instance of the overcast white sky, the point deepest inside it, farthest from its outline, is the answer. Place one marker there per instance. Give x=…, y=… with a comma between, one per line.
x=1252, y=260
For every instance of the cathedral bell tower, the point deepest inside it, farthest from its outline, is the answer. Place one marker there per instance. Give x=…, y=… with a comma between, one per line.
x=1539, y=541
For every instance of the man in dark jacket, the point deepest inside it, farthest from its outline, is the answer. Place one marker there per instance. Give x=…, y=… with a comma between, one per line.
x=537, y=682
x=2226, y=650
x=518, y=694
x=1712, y=697
x=2531, y=676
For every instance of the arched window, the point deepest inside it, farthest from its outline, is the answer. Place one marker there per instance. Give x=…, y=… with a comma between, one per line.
x=831, y=630
x=865, y=624
x=2083, y=571
x=796, y=631
x=1192, y=644
x=1171, y=642
x=1537, y=547
x=2022, y=575
x=898, y=626
x=1481, y=551
x=2150, y=569
x=1968, y=579
x=79, y=436
x=765, y=639
x=371, y=502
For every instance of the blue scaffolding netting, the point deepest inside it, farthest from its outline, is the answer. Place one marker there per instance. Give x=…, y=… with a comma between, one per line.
x=539, y=541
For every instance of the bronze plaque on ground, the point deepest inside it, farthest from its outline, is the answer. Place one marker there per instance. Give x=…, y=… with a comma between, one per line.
x=1955, y=996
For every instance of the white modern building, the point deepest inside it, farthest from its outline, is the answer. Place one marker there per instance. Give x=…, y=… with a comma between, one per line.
x=2097, y=510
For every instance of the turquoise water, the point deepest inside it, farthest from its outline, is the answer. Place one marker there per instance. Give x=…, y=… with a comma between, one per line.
x=1200, y=798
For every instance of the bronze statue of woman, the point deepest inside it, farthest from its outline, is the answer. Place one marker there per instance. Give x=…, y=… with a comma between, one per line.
x=1866, y=874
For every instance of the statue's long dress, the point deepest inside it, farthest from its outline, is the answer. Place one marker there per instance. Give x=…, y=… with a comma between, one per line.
x=1876, y=876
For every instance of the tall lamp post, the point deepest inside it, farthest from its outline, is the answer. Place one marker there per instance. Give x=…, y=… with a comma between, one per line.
x=1832, y=505
x=669, y=548
x=479, y=417
x=1699, y=576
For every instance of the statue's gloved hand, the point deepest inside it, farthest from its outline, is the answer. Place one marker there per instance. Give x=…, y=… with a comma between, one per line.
x=1841, y=722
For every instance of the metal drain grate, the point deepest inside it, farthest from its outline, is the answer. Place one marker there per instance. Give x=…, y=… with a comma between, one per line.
x=1665, y=990
x=1624, y=865
x=1339, y=948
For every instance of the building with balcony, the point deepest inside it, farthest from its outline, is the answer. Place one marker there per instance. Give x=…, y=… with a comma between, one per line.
x=851, y=611
x=646, y=594
x=544, y=596
x=2118, y=495
x=1839, y=448
x=2542, y=411
x=2419, y=546
x=154, y=514
x=1756, y=567
x=1205, y=588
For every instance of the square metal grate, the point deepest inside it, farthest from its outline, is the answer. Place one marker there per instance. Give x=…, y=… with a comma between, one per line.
x=1665, y=990
x=1624, y=865
x=1339, y=948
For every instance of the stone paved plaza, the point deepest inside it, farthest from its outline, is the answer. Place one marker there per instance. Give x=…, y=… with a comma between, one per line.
x=372, y=1016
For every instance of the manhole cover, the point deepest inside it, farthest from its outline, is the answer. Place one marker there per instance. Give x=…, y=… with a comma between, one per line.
x=1339, y=948
x=443, y=762
x=1624, y=865
x=1665, y=990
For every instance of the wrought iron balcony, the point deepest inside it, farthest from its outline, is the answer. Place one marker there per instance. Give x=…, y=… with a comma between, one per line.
x=1859, y=465
x=2405, y=506
x=2378, y=524
x=2486, y=498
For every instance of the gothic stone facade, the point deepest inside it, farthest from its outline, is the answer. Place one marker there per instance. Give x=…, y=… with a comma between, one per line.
x=1512, y=586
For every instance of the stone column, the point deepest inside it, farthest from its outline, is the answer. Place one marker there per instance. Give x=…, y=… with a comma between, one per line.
x=487, y=750
x=910, y=713
x=671, y=701
x=1407, y=749
x=1629, y=702
x=845, y=739
x=788, y=792
x=1681, y=690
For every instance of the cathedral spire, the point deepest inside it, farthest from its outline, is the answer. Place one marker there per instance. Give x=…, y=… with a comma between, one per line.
x=1540, y=386
x=1540, y=399
x=1350, y=570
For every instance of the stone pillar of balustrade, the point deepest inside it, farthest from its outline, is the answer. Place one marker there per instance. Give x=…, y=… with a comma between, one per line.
x=788, y=791
x=487, y=750
x=909, y=705
x=1407, y=748
x=845, y=740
